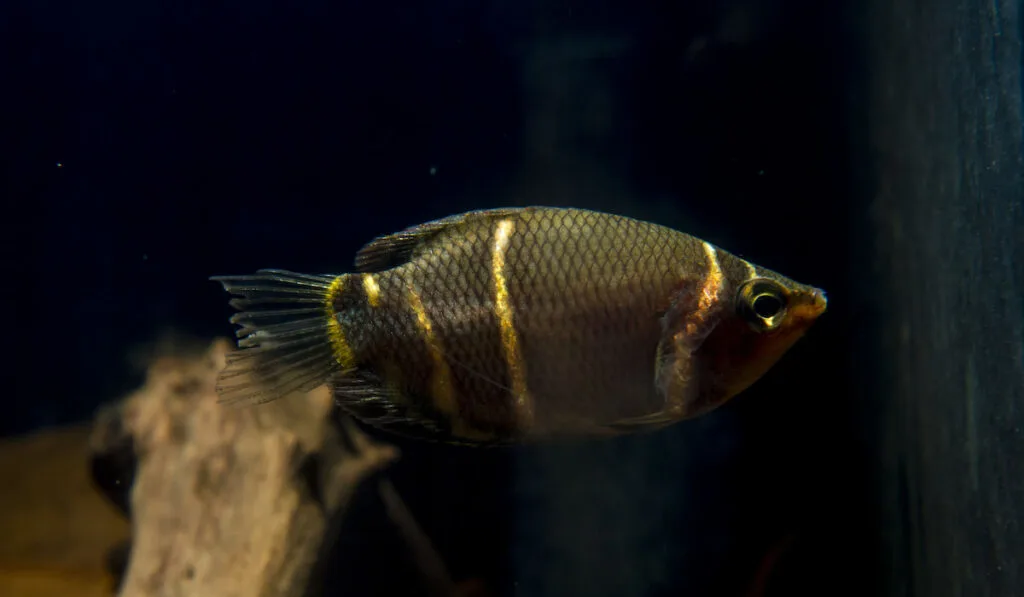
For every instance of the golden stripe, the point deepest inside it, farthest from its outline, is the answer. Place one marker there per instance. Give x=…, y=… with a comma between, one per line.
x=709, y=292
x=441, y=388
x=751, y=270
x=342, y=351
x=713, y=282
x=695, y=328
x=372, y=289
x=509, y=336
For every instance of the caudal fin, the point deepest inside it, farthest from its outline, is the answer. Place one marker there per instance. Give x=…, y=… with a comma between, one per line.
x=285, y=321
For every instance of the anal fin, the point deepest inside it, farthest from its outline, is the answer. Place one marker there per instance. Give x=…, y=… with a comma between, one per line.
x=650, y=422
x=368, y=399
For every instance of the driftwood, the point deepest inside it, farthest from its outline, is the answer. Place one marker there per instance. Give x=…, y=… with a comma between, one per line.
x=55, y=528
x=231, y=501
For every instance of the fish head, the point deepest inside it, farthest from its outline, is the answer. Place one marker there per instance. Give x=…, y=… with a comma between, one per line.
x=755, y=325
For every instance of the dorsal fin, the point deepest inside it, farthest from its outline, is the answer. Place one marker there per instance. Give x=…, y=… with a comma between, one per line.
x=391, y=250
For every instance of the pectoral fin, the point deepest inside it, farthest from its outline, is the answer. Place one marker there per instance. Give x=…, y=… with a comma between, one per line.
x=685, y=327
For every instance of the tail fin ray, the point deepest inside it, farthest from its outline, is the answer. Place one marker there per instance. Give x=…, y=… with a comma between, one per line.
x=284, y=343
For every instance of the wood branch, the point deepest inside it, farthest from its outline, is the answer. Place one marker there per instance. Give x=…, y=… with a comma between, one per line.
x=421, y=549
x=428, y=562
x=226, y=500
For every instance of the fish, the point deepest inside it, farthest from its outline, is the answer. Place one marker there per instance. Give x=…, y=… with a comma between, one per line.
x=512, y=325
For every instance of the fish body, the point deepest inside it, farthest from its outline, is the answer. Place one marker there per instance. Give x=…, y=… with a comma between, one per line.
x=498, y=326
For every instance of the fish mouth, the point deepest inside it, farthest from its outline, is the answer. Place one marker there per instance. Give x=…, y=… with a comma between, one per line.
x=819, y=300
x=812, y=306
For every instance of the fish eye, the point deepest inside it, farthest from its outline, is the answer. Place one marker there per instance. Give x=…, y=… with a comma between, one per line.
x=762, y=303
x=766, y=305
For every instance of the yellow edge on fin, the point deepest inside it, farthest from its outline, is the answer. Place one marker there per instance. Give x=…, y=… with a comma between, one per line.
x=342, y=351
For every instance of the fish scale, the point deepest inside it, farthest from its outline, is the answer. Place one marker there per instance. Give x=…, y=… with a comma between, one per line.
x=511, y=324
